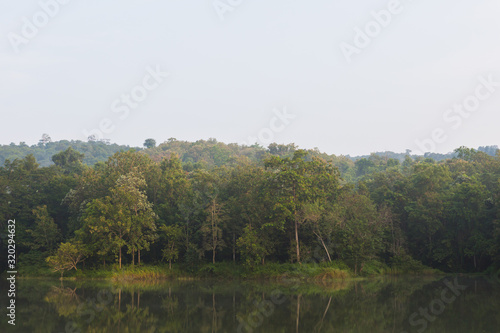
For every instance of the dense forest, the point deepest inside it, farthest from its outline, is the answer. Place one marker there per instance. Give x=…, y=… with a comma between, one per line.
x=206, y=152
x=94, y=151
x=197, y=202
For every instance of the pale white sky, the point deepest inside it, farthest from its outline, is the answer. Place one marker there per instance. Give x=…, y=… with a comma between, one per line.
x=227, y=76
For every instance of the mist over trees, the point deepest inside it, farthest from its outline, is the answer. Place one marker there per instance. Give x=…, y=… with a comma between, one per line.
x=205, y=201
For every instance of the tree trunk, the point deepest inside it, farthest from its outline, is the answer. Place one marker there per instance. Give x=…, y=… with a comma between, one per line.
x=187, y=233
x=214, y=236
x=296, y=225
x=324, y=246
x=139, y=257
x=234, y=248
x=393, y=238
x=170, y=264
x=133, y=257
x=297, y=240
x=120, y=258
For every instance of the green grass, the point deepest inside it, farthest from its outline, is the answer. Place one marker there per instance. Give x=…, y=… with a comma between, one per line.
x=131, y=273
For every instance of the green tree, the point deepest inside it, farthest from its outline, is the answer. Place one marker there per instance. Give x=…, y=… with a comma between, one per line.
x=125, y=217
x=425, y=208
x=212, y=228
x=296, y=182
x=251, y=247
x=45, y=234
x=67, y=257
x=69, y=160
x=150, y=143
x=359, y=229
x=209, y=185
x=172, y=235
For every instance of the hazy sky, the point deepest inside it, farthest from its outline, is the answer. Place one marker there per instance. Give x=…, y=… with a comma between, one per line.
x=326, y=73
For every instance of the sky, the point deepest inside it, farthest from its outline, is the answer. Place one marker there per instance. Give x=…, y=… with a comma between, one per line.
x=346, y=77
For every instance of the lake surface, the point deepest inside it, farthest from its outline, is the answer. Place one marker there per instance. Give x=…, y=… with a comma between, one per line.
x=442, y=304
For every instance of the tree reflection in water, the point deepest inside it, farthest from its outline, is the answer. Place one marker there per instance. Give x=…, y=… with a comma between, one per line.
x=375, y=305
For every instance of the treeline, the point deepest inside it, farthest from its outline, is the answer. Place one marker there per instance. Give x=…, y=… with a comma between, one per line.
x=282, y=205
x=94, y=151
x=210, y=153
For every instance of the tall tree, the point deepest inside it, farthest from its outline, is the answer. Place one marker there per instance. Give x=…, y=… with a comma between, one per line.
x=45, y=234
x=150, y=143
x=296, y=182
x=172, y=235
x=209, y=186
x=359, y=229
x=124, y=217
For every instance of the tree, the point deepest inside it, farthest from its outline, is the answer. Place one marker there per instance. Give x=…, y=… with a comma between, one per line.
x=359, y=229
x=244, y=195
x=67, y=257
x=209, y=185
x=69, y=160
x=296, y=182
x=291, y=187
x=150, y=143
x=46, y=233
x=172, y=234
x=45, y=139
x=125, y=217
x=211, y=229
x=428, y=186
x=129, y=195
x=364, y=166
x=251, y=247
x=105, y=218
x=463, y=211
x=315, y=213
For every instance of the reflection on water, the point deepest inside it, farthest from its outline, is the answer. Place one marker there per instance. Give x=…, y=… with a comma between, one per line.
x=449, y=304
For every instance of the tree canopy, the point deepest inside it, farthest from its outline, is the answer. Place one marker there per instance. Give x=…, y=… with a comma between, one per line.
x=188, y=203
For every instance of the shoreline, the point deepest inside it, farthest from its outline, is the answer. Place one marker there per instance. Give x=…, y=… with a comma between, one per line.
x=272, y=272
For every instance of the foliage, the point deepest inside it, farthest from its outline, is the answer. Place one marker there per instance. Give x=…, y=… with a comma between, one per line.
x=207, y=202
x=67, y=257
x=45, y=234
x=172, y=235
x=251, y=247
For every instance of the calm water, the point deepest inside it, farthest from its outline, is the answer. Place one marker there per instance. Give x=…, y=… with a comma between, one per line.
x=381, y=305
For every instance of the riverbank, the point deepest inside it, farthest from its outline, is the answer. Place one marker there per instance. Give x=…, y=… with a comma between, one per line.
x=336, y=270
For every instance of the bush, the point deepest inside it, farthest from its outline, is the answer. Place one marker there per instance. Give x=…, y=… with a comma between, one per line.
x=374, y=267
x=406, y=264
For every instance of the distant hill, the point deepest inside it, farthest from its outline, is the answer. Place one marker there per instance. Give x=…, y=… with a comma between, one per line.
x=211, y=153
x=490, y=150
x=94, y=151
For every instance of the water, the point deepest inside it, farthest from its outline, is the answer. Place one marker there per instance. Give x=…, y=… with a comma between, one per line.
x=450, y=304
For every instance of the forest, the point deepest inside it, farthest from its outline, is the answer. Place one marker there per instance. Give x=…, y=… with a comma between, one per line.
x=189, y=204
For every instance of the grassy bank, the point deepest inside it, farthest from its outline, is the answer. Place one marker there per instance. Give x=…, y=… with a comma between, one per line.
x=336, y=270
